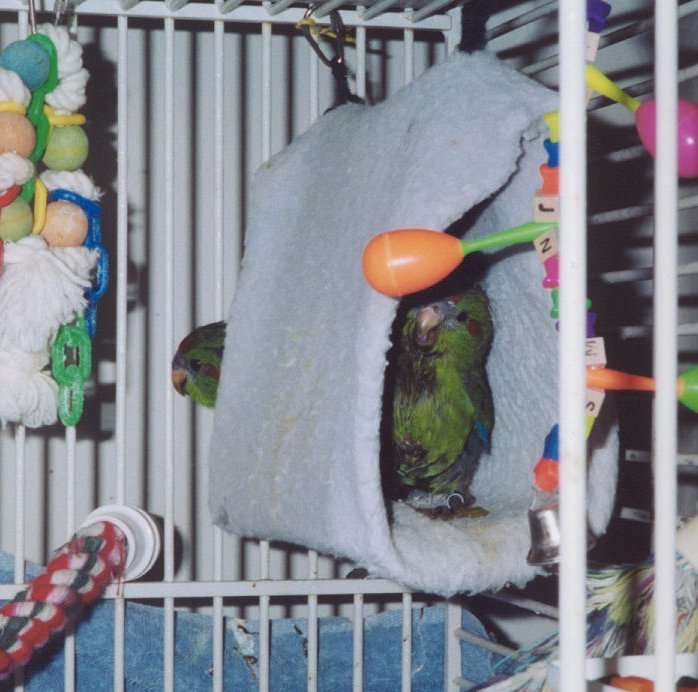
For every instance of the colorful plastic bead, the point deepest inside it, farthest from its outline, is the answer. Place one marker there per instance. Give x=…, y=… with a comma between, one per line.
x=553, y=149
x=29, y=60
x=552, y=272
x=597, y=13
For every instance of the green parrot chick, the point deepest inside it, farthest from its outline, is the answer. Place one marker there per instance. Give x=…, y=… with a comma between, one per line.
x=197, y=363
x=442, y=413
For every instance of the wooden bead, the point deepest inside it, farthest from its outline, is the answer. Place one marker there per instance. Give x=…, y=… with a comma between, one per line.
x=65, y=226
x=16, y=134
x=16, y=220
x=29, y=60
x=67, y=148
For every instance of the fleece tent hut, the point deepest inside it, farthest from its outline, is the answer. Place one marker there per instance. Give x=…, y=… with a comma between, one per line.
x=296, y=444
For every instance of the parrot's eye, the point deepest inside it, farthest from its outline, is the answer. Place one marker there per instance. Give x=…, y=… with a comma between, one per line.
x=195, y=364
x=463, y=316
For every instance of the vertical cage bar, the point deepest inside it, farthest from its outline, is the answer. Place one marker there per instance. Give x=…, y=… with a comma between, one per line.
x=20, y=462
x=218, y=220
x=406, y=642
x=218, y=165
x=121, y=257
x=70, y=461
x=168, y=344
x=69, y=659
x=361, y=62
x=572, y=335
x=408, y=45
x=313, y=85
x=168, y=307
x=312, y=625
x=665, y=341
x=266, y=90
x=23, y=23
x=20, y=455
x=119, y=644
x=264, y=624
x=452, y=655
x=69, y=645
x=121, y=319
x=358, y=643
x=20, y=516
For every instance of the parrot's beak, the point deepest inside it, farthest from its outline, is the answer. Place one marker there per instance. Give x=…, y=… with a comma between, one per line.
x=179, y=379
x=429, y=319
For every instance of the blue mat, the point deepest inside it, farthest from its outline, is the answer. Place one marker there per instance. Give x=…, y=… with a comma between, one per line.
x=193, y=646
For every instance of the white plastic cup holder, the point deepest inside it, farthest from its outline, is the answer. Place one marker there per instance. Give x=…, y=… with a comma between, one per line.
x=141, y=532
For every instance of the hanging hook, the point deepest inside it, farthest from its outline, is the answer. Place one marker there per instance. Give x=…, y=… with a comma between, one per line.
x=32, y=17
x=337, y=32
x=62, y=10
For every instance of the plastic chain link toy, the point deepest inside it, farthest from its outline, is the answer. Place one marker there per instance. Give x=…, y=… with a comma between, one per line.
x=54, y=265
x=405, y=261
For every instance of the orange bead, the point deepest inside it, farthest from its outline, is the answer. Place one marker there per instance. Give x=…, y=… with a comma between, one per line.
x=546, y=474
x=17, y=134
x=65, y=226
x=408, y=260
x=551, y=184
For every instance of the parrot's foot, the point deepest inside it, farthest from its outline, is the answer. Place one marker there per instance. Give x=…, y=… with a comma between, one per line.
x=447, y=513
x=452, y=506
x=357, y=573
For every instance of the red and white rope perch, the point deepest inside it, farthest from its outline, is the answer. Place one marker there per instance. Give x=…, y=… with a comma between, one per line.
x=116, y=541
x=76, y=576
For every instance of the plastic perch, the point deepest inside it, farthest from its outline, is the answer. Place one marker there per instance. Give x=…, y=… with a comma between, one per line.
x=408, y=260
x=686, y=386
x=141, y=534
x=646, y=120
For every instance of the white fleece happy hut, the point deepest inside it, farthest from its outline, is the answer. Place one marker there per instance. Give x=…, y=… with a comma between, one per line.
x=295, y=449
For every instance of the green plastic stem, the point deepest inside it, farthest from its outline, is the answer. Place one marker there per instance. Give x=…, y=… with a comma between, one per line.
x=526, y=233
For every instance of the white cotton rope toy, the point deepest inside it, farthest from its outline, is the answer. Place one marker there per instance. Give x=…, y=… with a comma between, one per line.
x=295, y=448
x=42, y=287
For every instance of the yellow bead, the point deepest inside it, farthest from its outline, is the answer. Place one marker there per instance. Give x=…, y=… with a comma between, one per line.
x=66, y=224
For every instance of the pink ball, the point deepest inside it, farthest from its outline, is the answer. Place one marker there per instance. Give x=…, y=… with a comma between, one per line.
x=646, y=124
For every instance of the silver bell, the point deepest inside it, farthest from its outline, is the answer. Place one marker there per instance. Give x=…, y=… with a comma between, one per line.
x=544, y=524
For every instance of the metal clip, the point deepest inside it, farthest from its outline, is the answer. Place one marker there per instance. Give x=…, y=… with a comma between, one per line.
x=62, y=10
x=32, y=17
x=337, y=32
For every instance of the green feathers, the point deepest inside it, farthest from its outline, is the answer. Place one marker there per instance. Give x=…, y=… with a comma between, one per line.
x=442, y=413
x=196, y=365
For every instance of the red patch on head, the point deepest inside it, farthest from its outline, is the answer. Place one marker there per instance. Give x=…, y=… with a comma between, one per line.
x=473, y=327
x=211, y=371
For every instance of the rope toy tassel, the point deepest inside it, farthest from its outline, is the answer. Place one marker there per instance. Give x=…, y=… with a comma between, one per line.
x=76, y=576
